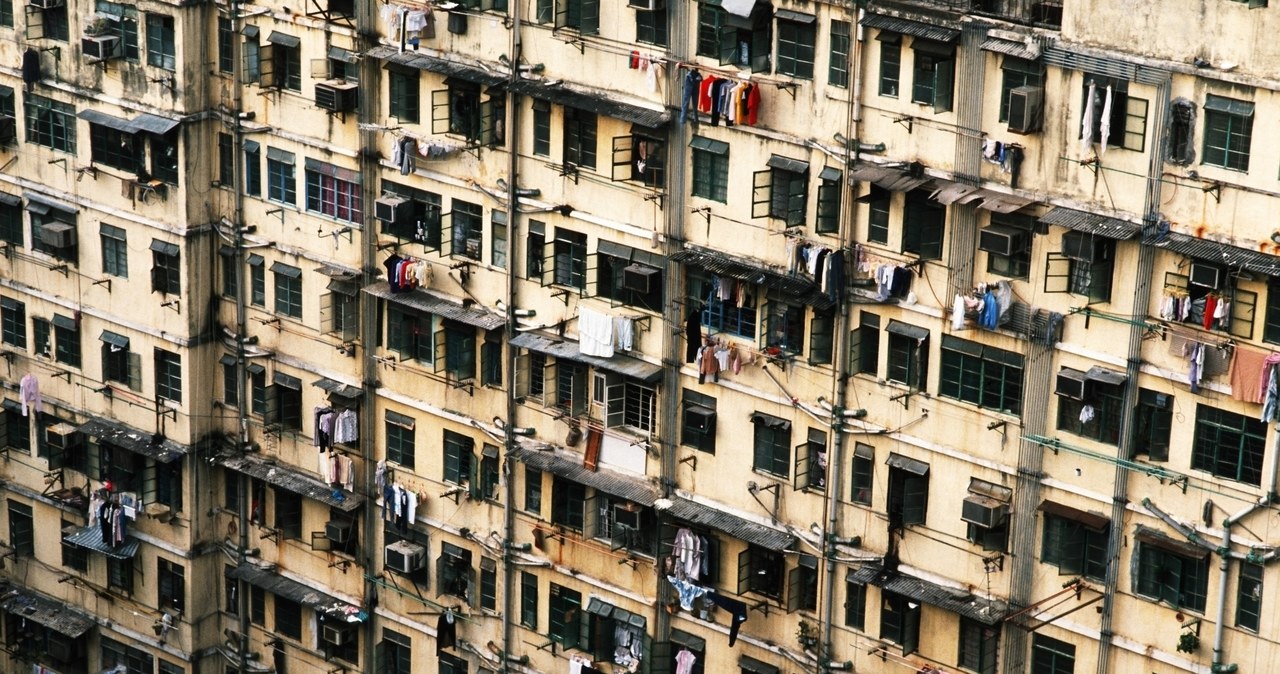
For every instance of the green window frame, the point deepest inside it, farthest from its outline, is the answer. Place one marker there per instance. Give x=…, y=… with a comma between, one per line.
x=1228, y=132
x=878, y=201
x=830, y=191
x=1154, y=424
x=135, y=661
x=980, y=374
x=838, y=54
x=22, y=530
x=541, y=127
x=933, y=74
x=334, y=192
x=1271, y=323
x=1229, y=445
x=11, y=223
x=120, y=576
x=797, y=44
x=42, y=332
x=168, y=375
x=1107, y=401
x=115, y=148
x=115, y=251
x=50, y=123
x=459, y=458
x=564, y=616
x=394, y=653
x=908, y=498
x=772, y=445
x=171, y=585
x=698, y=421
x=166, y=268
x=761, y=571
x=567, y=501
x=1051, y=656
x=923, y=225
x=900, y=621
x=979, y=646
x=488, y=584
x=710, y=169
x=890, y=63
x=1249, y=596
x=1074, y=541
x=855, y=603
x=583, y=15
x=226, y=45
x=66, y=335
x=282, y=179
x=529, y=600
x=161, y=49
x=257, y=280
x=908, y=361
x=569, y=258
x=404, y=91
x=226, y=160
x=13, y=322
x=252, y=168
x=862, y=474
x=533, y=491
x=782, y=327
x=288, y=513
x=288, y=290
x=1172, y=576
x=651, y=26
x=401, y=432
x=580, y=138
x=423, y=225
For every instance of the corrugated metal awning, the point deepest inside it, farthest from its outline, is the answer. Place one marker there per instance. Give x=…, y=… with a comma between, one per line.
x=595, y=101
x=738, y=527
x=442, y=66
x=787, y=164
x=747, y=663
x=284, y=39
x=890, y=178
x=103, y=119
x=907, y=463
x=291, y=479
x=337, y=388
x=795, y=287
x=1091, y=223
x=960, y=602
x=1093, y=521
x=1213, y=251
x=1104, y=376
x=152, y=446
x=90, y=538
x=635, y=489
x=1154, y=537
x=563, y=348
x=1011, y=48
x=425, y=300
x=47, y=202
x=54, y=614
x=154, y=124
x=907, y=330
x=913, y=28
x=267, y=579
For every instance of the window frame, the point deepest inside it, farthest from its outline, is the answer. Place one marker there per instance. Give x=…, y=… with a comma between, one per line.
x=968, y=370
x=1250, y=443
x=771, y=445
x=168, y=376
x=161, y=42
x=796, y=50
x=1228, y=133
x=710, y=159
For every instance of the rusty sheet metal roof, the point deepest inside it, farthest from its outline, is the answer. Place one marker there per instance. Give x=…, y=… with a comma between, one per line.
x=1219, y=253
x=908, y=27
x=440, y=305
x=985, y=611
x=436, y=64
x=292, y=479
x=90, y=538
x=749, y=271
x=268, y=579
x=894, y=179
x=568, y=349
x=133, y=440
x=54, y=614
x=1091, y=223
x=738, y=527
x=635, y=489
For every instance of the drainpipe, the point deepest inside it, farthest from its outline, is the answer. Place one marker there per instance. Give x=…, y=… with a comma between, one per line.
x=509, y=331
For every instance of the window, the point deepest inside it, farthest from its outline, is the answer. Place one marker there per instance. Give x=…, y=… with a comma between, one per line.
x=409, y=334
x=135, y=661
x=257, y=281
x=121, y=149
x=923, y=224
x=877, y=199
x=120, y=21
x=498, y=239
x=454, y=574
x=74, y=557
x=864, y=344
x=394, y=653
x=580, y=138
x=908, y=490
x=451, y=664
x=811, y=461
x=626, y=402
x=1154, y=424
x=1017, y=72
x=651, y=26
x=258, y=606
x=252, y=168
x=1228, y=132
x=564, y=615
x=890, y=63
x=698, y=415
x=339, y=309
x=488, y=479
x=1074, y=541
x=120, y=575
x=491, y=359
x=567, y=499
x=710, y=169
x=1249, y=596
x=981, y=374
x=541, y=128
x=622, y=524
x=168, y=376
x=1128, y=121
x=334, y=191
x=230, y=381
x=838, y=58
x=280, y=62
x=797, y=37
x=457, y=110
x=226, y=45
x=459, y=458
x=404, y=92
x=821, y=336
x=171, y=585
x=830, y=188
x=760, y=571
x=908, y=354
x=1050, y=656
x=855, y=603
x=11, y=222
x=1083, y=268
x=43, y=333
x=282, y=184
x=288, y=618
x=640, y=156
x=424, y=221
x=736, y=315
x=581, y=14
x=115, y=251
x=781, y=191
x=22, y=532
x=1172, y=572
x=66, y=334
x=6, y=13
x=533, y=491
x=979, y=646
x=529, y=600
x=166, y=269
x=400, y=438
x=863, y=471
x=160, y=42
x=51, y=123
x=802, y=585
x=1229, y=445
x=288, y=288
x=226, y=161
x=900, y=621
x=568, y=258
x=53, y=231
x=13, y=322
x=629, y=276
x=736, y=41
x=933, y=74
x=47, y=22
x=772, y=445
x=467, y=222
x=284, y=403
x=288, y=513
x=1179, y=145
x=1104, y=395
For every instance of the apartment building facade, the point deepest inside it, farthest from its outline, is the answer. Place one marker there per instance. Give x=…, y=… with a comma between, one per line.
x=647, y=336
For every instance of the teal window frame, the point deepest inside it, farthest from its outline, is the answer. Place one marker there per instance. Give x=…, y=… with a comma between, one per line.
x=50, y=123
x=1228, y=132
x=1229, y=445
x=1180, y=580
x=797, y=47
x=710, y=169
x=168, y=375
x=161, y=45
x=977, y=373
x=401, y=438
x=838, y=54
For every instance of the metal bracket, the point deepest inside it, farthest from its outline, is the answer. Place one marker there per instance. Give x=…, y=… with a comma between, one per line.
x=692, y=459
x=789, y=86
x=277, y=211
x=106, y=282
x=1214, y=188
x=658, y=197
x=993, y=563
x=905, y=397
x=90, y=169
x=63, y=373
x=910, y=122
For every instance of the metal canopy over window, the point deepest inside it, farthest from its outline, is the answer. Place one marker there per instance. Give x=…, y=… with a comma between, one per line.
x=103, y=119
x=787, y=164
x=343, y=55
x=830, y=173
x=151, y=445
x=252, y=146
x=1213, y=251
x=562, y=348
x=337, y=388
x=442, y=66
x=912, y=28
x=54, y=614
x=1093, y=521
x=740, y=528
x=892, y=178
x=792, y=287
x=1090, y=223
x=153, y=124
x=284, y=39
x=915, y=332
x=1011, y=48
x=749, y=664
x=330, y=607
x=709, y=145
x=10, y=199
x=1104, y=376
x=430, y=302
x=37, y=199
x=692, y=642
x=250, y=31
x=287, y=381
x=163, y=247
x=635, y=489
x=955, y=600
x=1230, y=106
x=908, y=464
x=286, y=270
x=117, y=340
x=325, y=168
x=291, y=479
x=64, y=322
x=770, y=421
x=402, y=420
x=90, y=538
x=592, y=101
x=798, y=17
x=1153, y=537
x=278, y=155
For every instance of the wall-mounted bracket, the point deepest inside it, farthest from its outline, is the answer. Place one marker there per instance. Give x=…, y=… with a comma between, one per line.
x=906, y=121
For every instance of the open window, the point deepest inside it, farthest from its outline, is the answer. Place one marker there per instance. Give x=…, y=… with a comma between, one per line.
x=455, y=575
x=908, y=491
x=623, y=524
x=1083, y=267
x=781, y=191
x=760, y=571
x=640, y=156
x=802, y=584
x=900, y=621
x=811, y=462
x=583, y=15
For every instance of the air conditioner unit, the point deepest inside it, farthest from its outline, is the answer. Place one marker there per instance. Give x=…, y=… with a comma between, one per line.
x=649, y=5
x=100, y=47
x=1026, y=109
x=337, y=96
x=8, y=129
x=338, y=635
x=981, y=511
x=46, y=4
x=63, y=648
x=58, y=235
x=699, y=418
x=1000, y=240
x=640, y=278
x=1205, y=275
x=405, y=557
x=1078, y=246
x=338, y=531
x=1071, y=384
x=391, y=209
x=62, y=437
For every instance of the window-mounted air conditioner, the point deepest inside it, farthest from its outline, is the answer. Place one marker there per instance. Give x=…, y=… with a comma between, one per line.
x=338, y=635
x=1000, y=240
x=62, y=437
x=1078, y=246
x=1071, y=384
x=639, y=278
x=337, y=96
x=391, y=209
x=58, y=235
x=338, y=531
x=983, y=512
x=1205, y=275
x=1026, y=109
x=404, y=557
x=100, y=47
